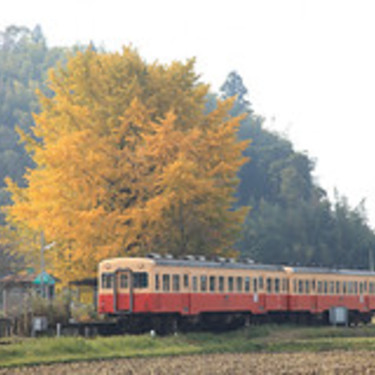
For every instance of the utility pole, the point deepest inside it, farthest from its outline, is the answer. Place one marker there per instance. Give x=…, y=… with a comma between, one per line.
x=43, y=247
x=42, y=263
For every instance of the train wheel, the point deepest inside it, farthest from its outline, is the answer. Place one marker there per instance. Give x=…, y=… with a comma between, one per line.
x=165, y=324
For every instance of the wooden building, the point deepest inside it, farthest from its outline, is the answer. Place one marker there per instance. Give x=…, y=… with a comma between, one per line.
x=16, y=291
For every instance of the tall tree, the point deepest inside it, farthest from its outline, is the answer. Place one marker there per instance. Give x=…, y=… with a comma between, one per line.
x=129, y=162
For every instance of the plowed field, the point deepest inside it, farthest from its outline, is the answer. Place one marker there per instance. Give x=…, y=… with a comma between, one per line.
x=337, y=362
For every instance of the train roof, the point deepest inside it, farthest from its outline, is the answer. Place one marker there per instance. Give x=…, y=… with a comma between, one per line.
x=216, y=264
x=333, y=271
x=261, y=267
x=222, y=263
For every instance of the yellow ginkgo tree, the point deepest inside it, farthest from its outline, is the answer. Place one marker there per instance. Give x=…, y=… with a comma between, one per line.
x=128, y=162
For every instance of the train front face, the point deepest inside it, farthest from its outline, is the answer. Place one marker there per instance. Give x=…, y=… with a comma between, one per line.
x=124, y=285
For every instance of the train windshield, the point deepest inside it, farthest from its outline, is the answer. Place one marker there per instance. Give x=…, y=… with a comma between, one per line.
x=107, y=281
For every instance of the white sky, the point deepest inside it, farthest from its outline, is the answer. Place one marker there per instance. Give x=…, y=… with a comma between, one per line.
x=310, y=64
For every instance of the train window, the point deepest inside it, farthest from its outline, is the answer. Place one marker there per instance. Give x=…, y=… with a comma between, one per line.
x=365, y=286
x=124, y=281
x=337, y=287
x=307, y=286
x=239, y=284
x=260, y=283
x=344, y=288
x=230, y=284
x=285, y=285
x=325, y=285
x=110, y=280
x=166, y=283
x=255, y=284
x=331, y=287
x=140, y=280
x=300, y=286
x=320, y=289
x=295, y=286
x=247, y=284
x=269, y=285
x=277, y=285
x=103, y=281
x=186, y=281
x=212, y=283
x=107, y=280
x=203, y=283
x=221, y=283
x=361, y=288
x=313, y=285
x=176, y=283
x=195, y=283
x=157, y=282
x=355, y=287
x=350, y=287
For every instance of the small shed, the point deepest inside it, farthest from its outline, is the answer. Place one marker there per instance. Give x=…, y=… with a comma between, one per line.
x=17, y=289
x=15, y=293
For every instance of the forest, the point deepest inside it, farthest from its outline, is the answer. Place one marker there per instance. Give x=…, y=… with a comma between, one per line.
x=110, y=156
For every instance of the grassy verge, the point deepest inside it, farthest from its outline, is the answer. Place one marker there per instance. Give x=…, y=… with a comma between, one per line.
x=255, y=339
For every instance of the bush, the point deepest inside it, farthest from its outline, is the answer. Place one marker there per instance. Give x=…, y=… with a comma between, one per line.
x=83, y=312
x=56, y=310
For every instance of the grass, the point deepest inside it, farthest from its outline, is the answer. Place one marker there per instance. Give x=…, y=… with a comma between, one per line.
x=268, y=338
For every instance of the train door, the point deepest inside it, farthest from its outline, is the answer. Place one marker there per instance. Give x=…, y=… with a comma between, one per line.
x=261, y=298
x=156, y=291
x=274, y=300
x=268, y=297
x=363, y=296
x=186, y=294
x=314, y=297
x=123, y=295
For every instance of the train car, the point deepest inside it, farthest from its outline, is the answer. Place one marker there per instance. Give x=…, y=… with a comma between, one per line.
x=188, y=289
x=150, y=292
x=315, y=291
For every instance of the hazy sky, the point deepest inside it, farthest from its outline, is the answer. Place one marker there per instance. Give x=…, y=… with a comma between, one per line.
x=308, y=64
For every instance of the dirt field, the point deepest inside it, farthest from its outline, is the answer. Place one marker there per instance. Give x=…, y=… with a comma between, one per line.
x=228, y=364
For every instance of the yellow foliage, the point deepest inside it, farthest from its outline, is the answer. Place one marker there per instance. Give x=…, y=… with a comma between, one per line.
x=129, y=163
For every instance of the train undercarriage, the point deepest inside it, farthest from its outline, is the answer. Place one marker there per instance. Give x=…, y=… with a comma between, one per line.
x=164, y=324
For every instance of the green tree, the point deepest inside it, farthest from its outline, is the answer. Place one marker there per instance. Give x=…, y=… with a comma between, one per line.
x=291, y=220
x=24, y=60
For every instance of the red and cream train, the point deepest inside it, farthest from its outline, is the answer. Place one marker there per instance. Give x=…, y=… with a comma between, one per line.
x=158, y=290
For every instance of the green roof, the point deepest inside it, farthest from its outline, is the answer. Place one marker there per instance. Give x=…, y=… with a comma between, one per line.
x=44, y=278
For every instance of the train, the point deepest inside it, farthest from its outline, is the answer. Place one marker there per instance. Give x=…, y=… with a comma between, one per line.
x=163, y=293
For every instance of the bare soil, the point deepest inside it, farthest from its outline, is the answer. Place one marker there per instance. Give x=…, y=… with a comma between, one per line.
x=338, y=362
